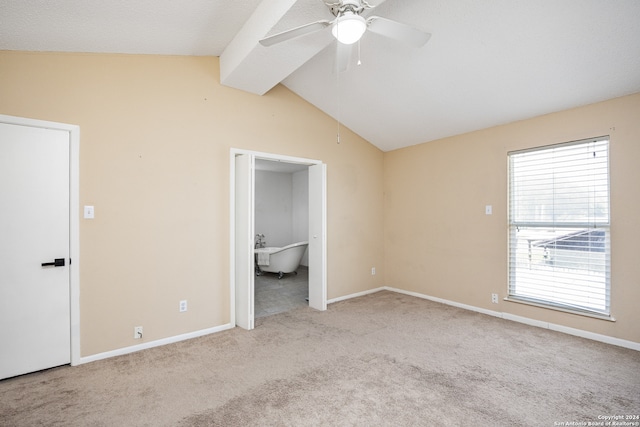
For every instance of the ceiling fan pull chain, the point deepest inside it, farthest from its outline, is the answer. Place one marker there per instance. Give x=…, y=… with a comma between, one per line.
x=338, y=93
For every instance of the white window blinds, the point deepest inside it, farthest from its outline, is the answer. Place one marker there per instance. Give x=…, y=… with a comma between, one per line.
x=559, y=244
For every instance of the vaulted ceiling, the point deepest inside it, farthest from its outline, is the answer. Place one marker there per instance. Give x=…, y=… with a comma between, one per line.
x=487, y=62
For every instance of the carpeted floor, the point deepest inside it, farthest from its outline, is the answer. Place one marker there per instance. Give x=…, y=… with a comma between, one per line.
x=384, y=359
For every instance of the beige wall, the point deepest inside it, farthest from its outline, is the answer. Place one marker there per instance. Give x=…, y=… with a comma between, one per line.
x=156, y=133
x=439, y=242
x=155, y=139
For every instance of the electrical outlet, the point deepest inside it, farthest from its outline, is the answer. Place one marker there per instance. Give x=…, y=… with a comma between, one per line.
x=183, y=305
x=494, y=298
x=137, y=332
x=373, y=271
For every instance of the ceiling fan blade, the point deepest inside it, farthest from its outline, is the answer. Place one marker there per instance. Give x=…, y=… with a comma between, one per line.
x=343, y=56
x=294, y=32
x=397, y=31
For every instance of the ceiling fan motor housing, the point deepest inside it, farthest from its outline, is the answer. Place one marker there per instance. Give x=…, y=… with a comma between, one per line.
x=354, y=6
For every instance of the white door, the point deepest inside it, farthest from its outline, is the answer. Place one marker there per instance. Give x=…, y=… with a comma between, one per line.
x=244, y=243
x=34, y=230
x=317, y=237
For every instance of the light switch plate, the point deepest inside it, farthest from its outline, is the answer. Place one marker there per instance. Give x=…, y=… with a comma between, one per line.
x=89, y=212
x=488, y=210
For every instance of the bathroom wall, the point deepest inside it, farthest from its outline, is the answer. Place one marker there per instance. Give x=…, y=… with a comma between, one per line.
x=273, y=207
x=282, y=207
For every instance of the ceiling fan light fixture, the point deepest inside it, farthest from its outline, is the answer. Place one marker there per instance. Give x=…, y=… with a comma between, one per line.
x=349, y=27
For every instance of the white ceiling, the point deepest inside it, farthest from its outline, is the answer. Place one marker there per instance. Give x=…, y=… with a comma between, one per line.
x=487, y=63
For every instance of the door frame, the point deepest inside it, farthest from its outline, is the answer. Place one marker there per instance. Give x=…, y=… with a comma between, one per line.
x=74, y=224
x=322, y=291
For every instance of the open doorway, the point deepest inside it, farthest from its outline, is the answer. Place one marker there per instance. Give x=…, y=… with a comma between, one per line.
x=281, y=219
x=309, y=225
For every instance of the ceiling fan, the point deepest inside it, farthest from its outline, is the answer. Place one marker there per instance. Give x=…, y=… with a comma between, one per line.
x=349, y=26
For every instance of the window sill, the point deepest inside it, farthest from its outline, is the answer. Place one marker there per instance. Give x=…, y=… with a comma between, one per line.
x=558, y=308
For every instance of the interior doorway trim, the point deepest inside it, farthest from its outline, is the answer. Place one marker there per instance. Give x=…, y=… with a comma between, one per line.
x=234, y=152
x=74, y=224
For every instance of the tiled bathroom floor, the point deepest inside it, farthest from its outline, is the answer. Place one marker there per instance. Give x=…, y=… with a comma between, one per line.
x=274, y=296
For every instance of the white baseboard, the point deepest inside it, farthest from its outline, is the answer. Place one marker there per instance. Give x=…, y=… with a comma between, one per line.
x=447, y=302
x=573, y=331
x=358, y=294
x=507, y=316
x=151, y=344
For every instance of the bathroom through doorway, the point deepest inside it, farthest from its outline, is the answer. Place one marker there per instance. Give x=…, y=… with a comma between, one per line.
x=281, y=218
x=282, y=199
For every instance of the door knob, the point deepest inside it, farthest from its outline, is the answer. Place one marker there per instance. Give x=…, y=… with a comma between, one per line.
x=58, y=262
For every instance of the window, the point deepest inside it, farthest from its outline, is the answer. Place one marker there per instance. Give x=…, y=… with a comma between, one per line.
x=559, y=243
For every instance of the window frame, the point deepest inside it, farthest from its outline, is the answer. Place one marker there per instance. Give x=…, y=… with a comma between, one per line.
x=513, y=225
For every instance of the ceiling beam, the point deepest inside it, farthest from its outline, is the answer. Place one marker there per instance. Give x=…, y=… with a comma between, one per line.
x=246, y=64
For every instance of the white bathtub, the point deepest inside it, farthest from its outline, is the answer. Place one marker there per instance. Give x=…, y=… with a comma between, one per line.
x=280, y=260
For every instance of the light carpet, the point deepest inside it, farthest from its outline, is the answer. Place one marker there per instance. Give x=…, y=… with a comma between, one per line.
x=384, y=359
